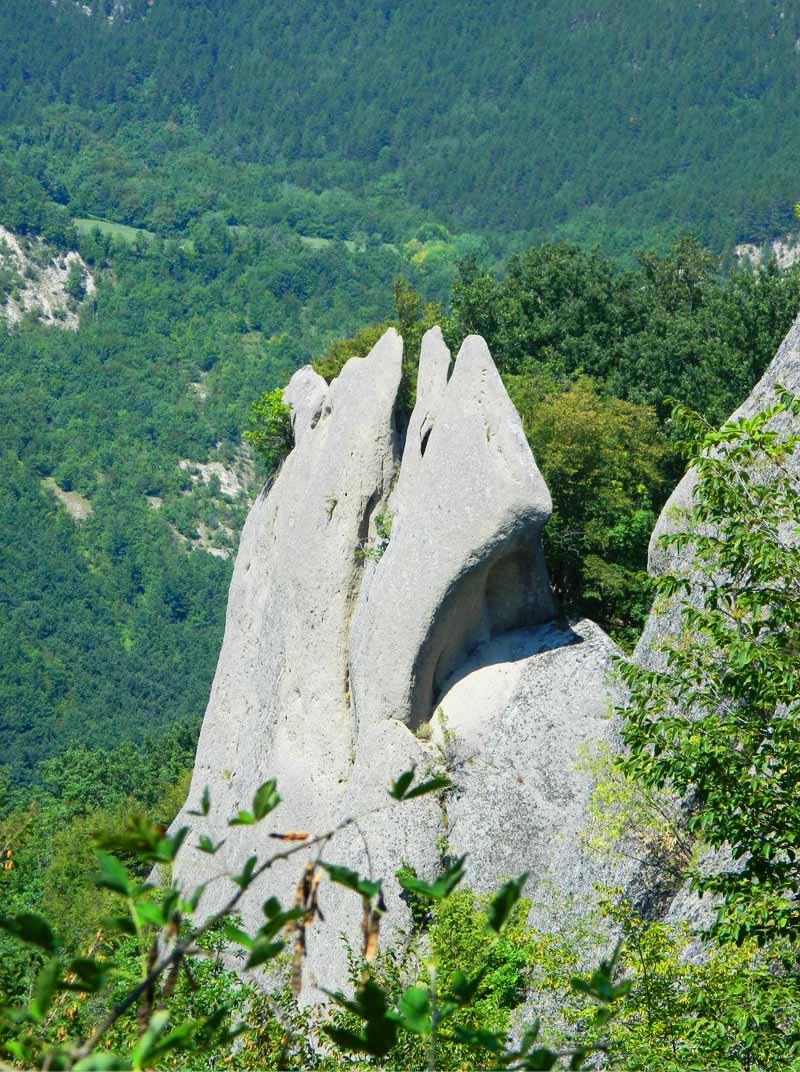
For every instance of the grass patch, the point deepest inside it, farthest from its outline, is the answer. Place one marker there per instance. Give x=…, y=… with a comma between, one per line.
x=122, y=232
x=84, y=225
x=313, y=242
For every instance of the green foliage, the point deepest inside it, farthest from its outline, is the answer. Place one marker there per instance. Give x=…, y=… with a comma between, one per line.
x=605, y=460
x=670, y=327
x=413, y=316
x=404, y=789
x=131, y=1012
x=434, y=891
x=719, y=724
x=454, y=989
x=734, y=1008
x=628, y=819
x=721, y=1006
x=696, y=129
x=104, y=618
x=383, y=526
x=375, y=547
x=335, y=357
x=75, y=284
x=25, y=206
x=47, y=842
x=119, y=231
x=457, y=984
x=270, y=430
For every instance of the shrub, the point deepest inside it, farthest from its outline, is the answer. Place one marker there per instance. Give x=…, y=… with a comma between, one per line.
x=270, y=430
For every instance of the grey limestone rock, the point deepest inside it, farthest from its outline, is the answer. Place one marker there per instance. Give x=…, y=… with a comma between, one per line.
x=518, y=723
x=664, y=621
x=388, y=834
x=279, y=704
x=306, y=394
x=464, y=561
x=334, y=661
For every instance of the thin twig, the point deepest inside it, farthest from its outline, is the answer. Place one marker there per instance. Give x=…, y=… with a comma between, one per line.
x=182, y=948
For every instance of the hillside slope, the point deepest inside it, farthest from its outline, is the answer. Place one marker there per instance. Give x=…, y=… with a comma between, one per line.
x=612, y=121
x=243, y=182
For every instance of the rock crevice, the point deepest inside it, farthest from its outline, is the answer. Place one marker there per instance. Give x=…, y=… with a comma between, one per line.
x=468, y=504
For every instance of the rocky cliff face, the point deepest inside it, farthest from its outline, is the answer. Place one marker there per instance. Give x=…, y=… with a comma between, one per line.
x=34, y=278
x=390, y=607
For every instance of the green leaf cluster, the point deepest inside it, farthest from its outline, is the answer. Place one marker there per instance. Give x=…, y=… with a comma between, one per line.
x=718, y=726
x=270, y=431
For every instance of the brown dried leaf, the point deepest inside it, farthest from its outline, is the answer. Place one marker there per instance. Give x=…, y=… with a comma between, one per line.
x=172, y=979
x=371, y=944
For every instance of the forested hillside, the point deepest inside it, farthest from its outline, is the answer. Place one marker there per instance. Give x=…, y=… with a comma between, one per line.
x=112, y=621
x=592, y=122
x=245, y=181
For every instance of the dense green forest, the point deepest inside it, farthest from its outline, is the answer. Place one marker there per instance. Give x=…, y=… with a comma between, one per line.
x=589, y=121
x=238, y=218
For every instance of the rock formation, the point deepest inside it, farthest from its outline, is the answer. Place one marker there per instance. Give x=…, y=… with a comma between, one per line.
x=37, y=277
x=390, y=607
x=663, y=621
x=464, y=561
x=354, y=650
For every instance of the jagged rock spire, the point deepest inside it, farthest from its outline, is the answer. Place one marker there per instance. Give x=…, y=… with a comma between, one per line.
x=334, y=660
x=465, y=559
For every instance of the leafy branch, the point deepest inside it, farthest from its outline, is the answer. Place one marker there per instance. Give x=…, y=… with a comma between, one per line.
x=426, y=1012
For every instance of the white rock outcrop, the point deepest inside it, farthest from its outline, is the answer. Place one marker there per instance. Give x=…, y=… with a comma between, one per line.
x=464, y=561
x=279, y=703
x=41, y=274
x=343, y=640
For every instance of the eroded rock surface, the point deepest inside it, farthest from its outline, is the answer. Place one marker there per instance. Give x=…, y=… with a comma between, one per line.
x=38, y=277
x=306, y=395
x=464, y=561
x=342, y=640
x=280, y=703
x=518, y=724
